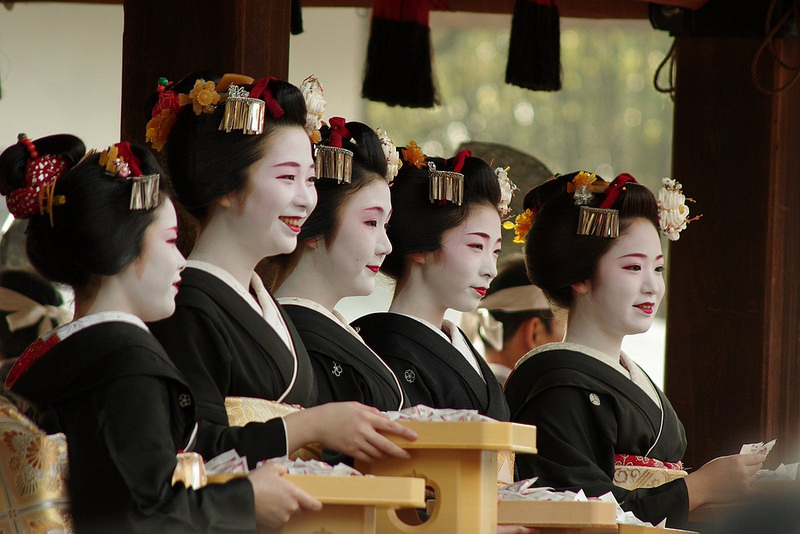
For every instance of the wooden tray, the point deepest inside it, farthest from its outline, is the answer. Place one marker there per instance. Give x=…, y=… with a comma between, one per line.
x=477, y=435
x=596, y=517
x=383, y=492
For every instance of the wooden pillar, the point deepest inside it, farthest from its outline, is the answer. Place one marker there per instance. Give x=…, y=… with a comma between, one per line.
x=733, y=323
x=177, y=37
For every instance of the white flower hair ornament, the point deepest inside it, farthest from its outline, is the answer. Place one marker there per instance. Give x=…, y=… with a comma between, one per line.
x=673, y=213
x=315, y=107
x=393, y=161
x=507, y=189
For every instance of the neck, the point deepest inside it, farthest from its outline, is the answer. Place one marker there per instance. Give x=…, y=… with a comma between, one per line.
x=416, y=299
x=584, y=329
x=108, y=297
x=508, y=356
x=308, y=281
x=219, y=245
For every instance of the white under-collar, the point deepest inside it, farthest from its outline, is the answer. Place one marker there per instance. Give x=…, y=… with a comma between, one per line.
x=92, y=319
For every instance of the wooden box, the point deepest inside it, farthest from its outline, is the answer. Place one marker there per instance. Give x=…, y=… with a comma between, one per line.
x=459, y=463
x=588, y=517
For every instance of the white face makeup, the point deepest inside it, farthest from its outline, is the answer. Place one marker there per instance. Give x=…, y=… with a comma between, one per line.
x=150, y=282
x=629, y=285
x=360, y=244
x=459, y=273
x=280, y=194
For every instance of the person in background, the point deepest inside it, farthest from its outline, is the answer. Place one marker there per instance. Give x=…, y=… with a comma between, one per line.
x=514, y=317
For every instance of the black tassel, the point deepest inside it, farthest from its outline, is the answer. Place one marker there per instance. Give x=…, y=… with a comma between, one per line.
x=297, y=17
x=398, y=67
x=534, y=48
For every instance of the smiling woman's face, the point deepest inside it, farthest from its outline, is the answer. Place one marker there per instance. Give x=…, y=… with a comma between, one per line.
x=628, y=285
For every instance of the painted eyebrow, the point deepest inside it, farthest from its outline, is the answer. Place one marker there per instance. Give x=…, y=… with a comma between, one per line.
x=639, y=255
x=375, y=208
x=287, y=164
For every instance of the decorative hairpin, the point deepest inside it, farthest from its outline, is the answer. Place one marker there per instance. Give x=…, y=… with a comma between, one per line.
x=242, y=112
x=332, y=160
x=315, y=107
x=41, y=175
x=673, y=213
x=447, y=186
x=412, y=154
x=119, y=161
x=507, y=189
x=522, y=223
x=602, y=221
x=393, y=161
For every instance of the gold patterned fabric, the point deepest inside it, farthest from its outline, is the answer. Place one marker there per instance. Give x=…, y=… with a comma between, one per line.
x=633, y=477
x=33, y=477
x=243, y=410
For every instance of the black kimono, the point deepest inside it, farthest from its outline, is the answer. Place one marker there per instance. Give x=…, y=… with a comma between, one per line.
x=226, y=349
x=345, y=368
x=126, y=412
x=586, y=412
x=430, y=369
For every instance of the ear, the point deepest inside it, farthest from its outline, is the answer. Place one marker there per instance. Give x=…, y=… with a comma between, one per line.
x=418, y=257
x=530, y=330
x=312, y=243
x=225, y=201
x=581, y=287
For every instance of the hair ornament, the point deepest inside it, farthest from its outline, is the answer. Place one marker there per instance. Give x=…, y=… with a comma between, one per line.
x=315, y=107
x=603, y=221
x=262, y=91
x=393, y=161
x=412, y=154
x=522, y=223
x=119, y=161
x=447, y=186
x=507, y=188
x=673, y=213
x=41, y=175
x=242, y=112
x=204, y=97
x=332, y=160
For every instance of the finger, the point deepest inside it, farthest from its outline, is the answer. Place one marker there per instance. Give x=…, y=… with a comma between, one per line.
x=369, y=452
x=386, y=446
x=306, y=501
x=393, y=427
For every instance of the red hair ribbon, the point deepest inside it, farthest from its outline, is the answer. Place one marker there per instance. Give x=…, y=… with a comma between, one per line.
x=459, y=160
x=614, y=190
x=339, y=131
x=124, y=151
x=40, y=172
x=261, y=90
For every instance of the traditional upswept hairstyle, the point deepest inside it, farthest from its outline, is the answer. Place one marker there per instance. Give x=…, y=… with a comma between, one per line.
x=556, y=256
x=206, y=163
x=369, y=165
x=417, y=223
x=94, y=232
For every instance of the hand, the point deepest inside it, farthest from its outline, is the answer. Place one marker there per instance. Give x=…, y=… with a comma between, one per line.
x=723, y=479
x=276, y=499
x=347, y=427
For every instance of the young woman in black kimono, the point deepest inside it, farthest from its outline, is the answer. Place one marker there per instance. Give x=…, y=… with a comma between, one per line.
x=341, y=247
x=592, y=405
x=108, y=231
x=444, y=256
x=250, y=184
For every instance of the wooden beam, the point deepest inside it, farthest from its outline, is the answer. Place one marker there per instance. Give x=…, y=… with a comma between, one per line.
x=175, y=38
x=733, y=323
